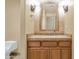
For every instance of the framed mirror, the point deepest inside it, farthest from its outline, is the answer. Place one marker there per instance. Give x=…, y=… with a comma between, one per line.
x=49, y=17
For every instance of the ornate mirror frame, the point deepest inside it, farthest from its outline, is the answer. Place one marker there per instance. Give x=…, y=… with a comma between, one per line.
x=56, y=22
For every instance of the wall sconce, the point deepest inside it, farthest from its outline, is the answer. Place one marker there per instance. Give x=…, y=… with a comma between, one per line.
x=64, y=4
x=65, y=8
x=32, y=7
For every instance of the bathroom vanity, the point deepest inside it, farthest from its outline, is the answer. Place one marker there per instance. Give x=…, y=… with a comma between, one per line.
x=49, y=40
x=49, y=47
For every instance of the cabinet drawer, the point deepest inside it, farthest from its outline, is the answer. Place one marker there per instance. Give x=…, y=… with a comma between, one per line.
x=33, y=43
x=64, y=43
x=49, y=43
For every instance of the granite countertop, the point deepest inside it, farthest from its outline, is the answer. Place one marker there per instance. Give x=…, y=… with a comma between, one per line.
x=49, y=37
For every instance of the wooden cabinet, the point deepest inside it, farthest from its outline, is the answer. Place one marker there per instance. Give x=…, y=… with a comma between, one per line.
x=54, y=53
x=49, y=44
x=34, y=44
x=49, y=49
x=33, y=53
x=66, y=53
x=38, y=53
x=64, y=43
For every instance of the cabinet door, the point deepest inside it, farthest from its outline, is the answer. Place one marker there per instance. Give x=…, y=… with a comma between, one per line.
x=38, y=53
x=54, y=53
x=45, y=53
x=66, y=54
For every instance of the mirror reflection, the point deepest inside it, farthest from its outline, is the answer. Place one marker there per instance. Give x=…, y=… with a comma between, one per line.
x=49, y=16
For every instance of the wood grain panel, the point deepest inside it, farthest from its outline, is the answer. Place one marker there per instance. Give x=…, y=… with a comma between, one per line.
x=38, y=53
x=49, y=43
x=66, y=54
x=54, y=53
x=34, y=43
x=45, y=53
x=64, y=43
x=33, y=53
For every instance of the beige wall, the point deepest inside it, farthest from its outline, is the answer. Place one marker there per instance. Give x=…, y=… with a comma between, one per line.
x=32, y=25
x=69, y=20
x=15, y=25
x=29, y=22
x=29, y=25
x=12, y=18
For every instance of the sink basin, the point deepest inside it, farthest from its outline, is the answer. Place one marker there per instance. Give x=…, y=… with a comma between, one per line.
x=9, y=47
x=49, y=36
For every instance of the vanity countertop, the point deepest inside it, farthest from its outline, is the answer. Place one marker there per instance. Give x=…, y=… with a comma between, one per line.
x=49, y=37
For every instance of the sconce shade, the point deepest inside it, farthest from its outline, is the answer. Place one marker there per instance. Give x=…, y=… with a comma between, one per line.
x=65, y=8
x=33, y=8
